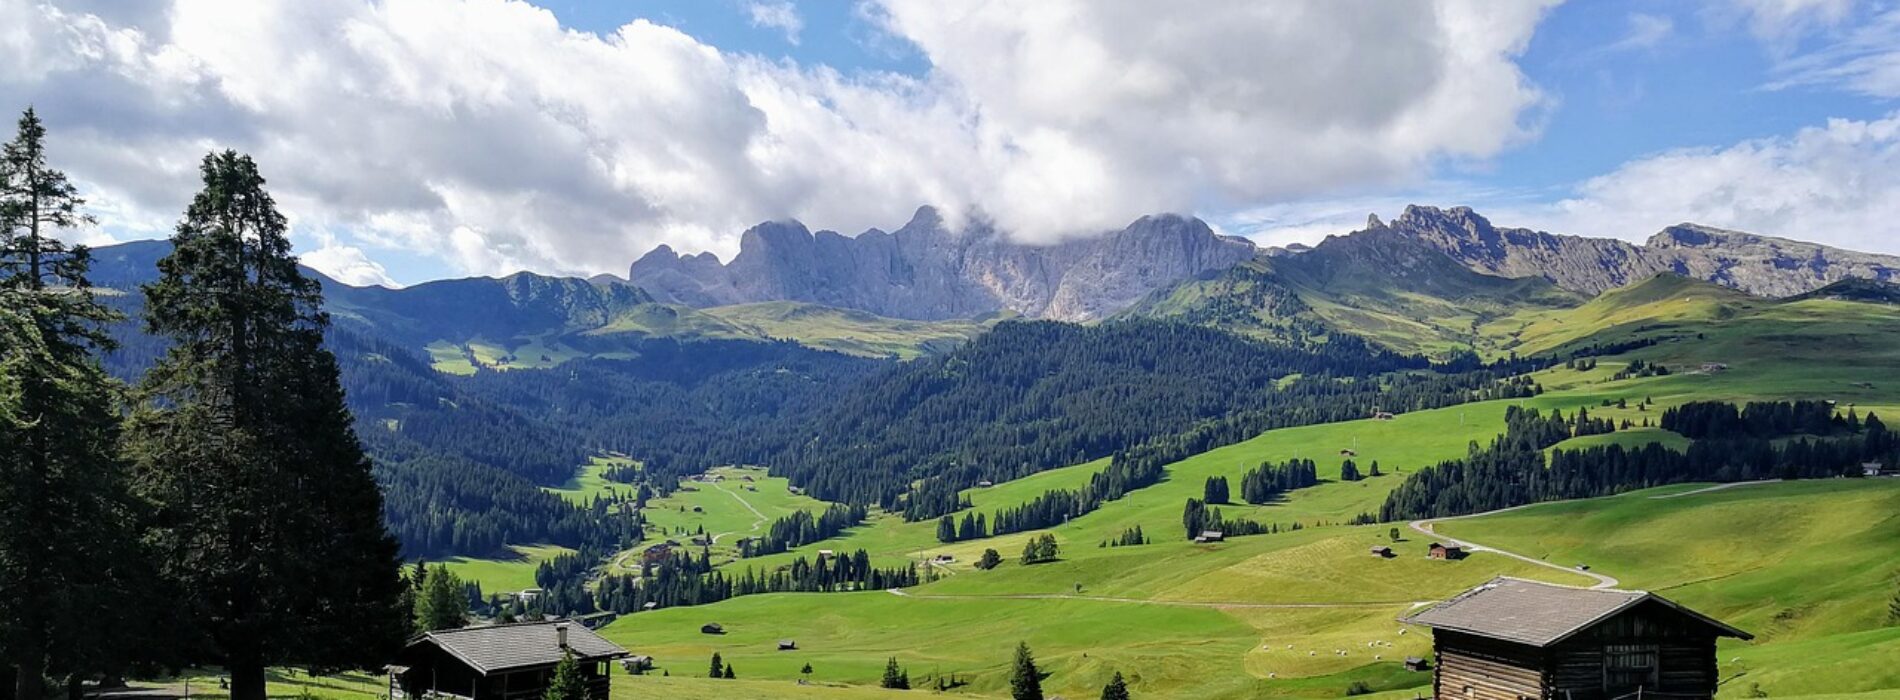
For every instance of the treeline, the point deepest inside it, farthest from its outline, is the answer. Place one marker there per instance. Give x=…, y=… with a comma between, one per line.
x=1126, y=471
x=1030, y=396
x=1266, y=483
x=1512, y=472
x=801, y=528
x=1703, y=420
x=1198, y=517
x=681, y=579
x=1528, y=428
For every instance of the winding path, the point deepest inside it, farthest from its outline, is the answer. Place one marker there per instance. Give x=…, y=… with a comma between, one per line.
x=1717, y=487
x=1425, y=526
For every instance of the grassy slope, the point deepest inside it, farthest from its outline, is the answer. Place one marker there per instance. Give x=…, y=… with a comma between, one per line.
x=499, y=575
x=1807, y=567
x=822, y=327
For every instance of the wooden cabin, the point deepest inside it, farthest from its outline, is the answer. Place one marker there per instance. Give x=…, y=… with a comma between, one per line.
x=1447, y=552
x=499, y=662
x=787, y=645
x=1382, y=552
x=1513, y=639
x=712, y=628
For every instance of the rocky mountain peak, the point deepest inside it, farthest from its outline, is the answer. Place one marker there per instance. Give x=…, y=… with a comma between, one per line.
x=924, y=270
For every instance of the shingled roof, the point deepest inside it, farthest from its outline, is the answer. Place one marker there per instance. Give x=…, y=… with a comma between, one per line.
x=503, y=647
x=1541, y=614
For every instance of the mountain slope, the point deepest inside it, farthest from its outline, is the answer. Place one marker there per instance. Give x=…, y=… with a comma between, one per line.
x=926, y=271
x=1377, y=283
x=1759, y=265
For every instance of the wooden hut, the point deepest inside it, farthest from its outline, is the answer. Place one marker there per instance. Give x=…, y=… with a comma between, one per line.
x=1448, y=552
x=1512, y=639
x=712, y=628
x=787, y=645
x=1382, y=552
x=499, y=662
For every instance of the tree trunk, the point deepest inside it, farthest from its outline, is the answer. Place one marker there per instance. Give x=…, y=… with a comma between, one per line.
x=29, y=674
x=247, y=681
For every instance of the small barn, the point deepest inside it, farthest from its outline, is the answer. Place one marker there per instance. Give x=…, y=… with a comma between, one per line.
x=499, y=662
x=1414, y=663
x=712, y=628
x=1382, y=552
x=1511, y=639
x=1447, y=552
x=787, y=645
x=1211, y=536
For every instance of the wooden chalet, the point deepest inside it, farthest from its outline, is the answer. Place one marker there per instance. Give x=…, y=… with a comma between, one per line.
x=1447, y=552
x=1382, y=552
x=1512, y=639
x=499, y=662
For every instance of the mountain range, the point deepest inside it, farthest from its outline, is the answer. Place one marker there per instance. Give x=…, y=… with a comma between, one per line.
x=924, y=270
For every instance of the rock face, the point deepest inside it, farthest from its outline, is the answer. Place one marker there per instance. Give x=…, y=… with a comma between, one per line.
x=926, y=271
x=1760, y=265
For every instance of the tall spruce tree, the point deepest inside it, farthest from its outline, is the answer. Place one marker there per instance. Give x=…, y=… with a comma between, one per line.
x=70, y=578
x=268, y=517
x=1025, y=680
x=1117, y=689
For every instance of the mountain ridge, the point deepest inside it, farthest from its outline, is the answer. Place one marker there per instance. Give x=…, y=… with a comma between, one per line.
x=925, y=271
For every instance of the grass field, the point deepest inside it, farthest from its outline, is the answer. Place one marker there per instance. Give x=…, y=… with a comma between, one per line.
x=504, y=574
x=1808, y=567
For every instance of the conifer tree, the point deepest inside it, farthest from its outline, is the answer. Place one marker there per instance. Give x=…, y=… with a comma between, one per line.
x=70, y=570
x=268, y=517
x=567, y=683
x=442, y=604
x=1025, y=680
x=1117, y=689
x=718, y=669
x=894, y=677
x=730, y=673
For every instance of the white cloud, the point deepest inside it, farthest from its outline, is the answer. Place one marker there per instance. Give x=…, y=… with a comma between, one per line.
x=1645, y=31
x=347, y=264
x=1782, y=23
x=1865, y=60
x=484, y=133
x=1837, y=184
x=780, y=15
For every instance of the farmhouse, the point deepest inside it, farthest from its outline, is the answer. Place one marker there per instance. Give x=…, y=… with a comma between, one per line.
x=1447, y=552
x=1511, y=639
x=1875, y=469
x=499, y=662
x=986, y=483
x=1381, y=415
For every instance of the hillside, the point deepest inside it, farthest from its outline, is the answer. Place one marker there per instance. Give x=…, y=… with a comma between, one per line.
x=1378, y=284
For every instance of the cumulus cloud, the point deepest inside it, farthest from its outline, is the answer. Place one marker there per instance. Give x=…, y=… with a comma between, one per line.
x=781, y=15
x=347, y=264
x=1837, y=183
x=485, y=133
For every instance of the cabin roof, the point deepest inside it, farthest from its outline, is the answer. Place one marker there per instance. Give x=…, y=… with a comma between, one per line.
x=503, y=647
x=1542, y=614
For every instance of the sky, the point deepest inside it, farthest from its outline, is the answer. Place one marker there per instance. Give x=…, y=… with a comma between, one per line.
x=410, y=140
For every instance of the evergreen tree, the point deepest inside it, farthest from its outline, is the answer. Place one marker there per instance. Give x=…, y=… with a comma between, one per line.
x=718, y=669
x=1215, y=490
x=730, y=673
x=567, y=683
x=268, y=518
x=442, y=604
x=894, y=677
x=1117, y=689
x=70, y=570
x=806, y=671
x=1025, y=680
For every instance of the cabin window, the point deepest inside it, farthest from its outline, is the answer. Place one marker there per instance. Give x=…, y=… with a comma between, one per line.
x=1629, y=665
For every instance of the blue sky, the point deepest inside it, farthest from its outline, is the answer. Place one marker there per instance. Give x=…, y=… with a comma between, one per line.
x=419, y=139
